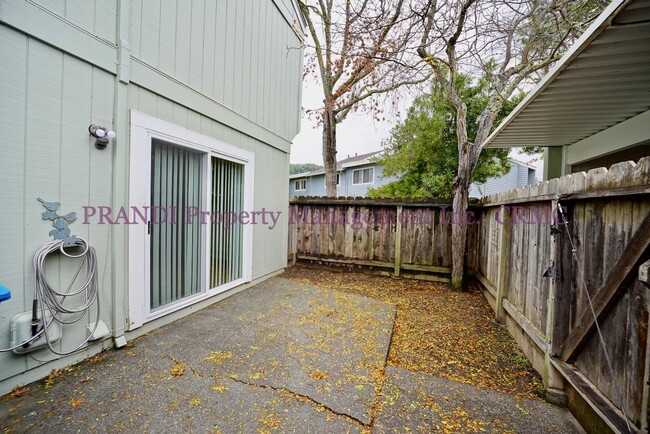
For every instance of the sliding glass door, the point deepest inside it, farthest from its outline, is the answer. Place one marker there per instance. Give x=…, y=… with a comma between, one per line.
x=176, y=185
x=190, y=244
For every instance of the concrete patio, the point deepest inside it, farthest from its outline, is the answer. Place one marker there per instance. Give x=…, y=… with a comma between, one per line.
x=278, y=357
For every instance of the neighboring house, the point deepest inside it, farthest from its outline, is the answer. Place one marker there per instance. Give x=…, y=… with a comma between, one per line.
x=205, y=100
x=520, y=174
x=593, y=107
x=356, y=175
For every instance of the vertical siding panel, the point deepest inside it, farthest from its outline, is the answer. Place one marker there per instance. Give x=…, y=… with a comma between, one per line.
x=261, y=70
x=77, y=144
x=218, y=131
x=296, y=79
x=147, y=102
x=135, y=31
x=133, y=96
x=81, y=13
x=206, y=126
x=183, y=23
x=75, y=151
x=150, y=32
x=209, y=31
x=274, y=75
x=238, y=59
x=106, y=19
x=43, y=161
x=13, y=86
x=282, y=60
x=230, y=59
x=285, y=126
x=193, y=121
x=246, y=32
x=256, y=63
x=165, y=109
x=101, y=178
x=196, y=43
x=167, y=37
x=180, y=115
x=77, y=91
x=221, y=39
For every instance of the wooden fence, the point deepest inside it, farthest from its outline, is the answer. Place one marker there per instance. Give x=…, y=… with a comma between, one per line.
x=391, y=237
x=538, y=274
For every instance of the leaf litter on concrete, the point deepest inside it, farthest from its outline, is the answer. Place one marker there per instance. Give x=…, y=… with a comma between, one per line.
x=445, y=333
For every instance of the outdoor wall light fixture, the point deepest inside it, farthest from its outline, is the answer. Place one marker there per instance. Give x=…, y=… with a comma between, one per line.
x=102, y=134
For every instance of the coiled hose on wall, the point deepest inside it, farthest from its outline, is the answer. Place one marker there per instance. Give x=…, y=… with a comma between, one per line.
x=52, y=301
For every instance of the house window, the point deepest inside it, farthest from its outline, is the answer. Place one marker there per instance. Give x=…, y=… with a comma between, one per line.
x=187, y=251
x=363, y=176
x=338, y=180
x=300, y=185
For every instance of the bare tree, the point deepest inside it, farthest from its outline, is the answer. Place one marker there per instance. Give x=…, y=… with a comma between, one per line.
x=360, y=51
x=511, y=42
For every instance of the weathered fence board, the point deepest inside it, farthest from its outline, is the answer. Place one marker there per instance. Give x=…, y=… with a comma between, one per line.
x=588, y=249
x=364, y=233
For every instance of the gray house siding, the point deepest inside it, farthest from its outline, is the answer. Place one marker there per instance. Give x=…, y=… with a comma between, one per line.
x=518, y=176
x=352, y=189
x=222, y=69
x=346, y=186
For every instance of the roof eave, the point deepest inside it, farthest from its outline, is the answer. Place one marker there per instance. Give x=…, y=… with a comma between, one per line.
x=595, y=29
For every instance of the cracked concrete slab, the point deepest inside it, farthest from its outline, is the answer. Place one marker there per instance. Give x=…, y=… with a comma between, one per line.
x=160, y=402
x=279, y=355
x=326, y=345
x=422, y=403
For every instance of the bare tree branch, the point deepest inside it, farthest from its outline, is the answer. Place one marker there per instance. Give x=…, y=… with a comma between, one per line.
x=361, y=50
x=508, y=43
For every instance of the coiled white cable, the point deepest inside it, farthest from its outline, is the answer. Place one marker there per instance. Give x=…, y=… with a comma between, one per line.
x=53, y=301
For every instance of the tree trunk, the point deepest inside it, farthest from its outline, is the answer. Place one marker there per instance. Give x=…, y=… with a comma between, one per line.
x=459, y=223
x=329, y=152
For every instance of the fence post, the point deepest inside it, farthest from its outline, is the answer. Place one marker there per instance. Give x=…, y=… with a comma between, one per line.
x=293, y=237
x=504, y=259
x=553, y=380
x=398, y=240
x=644, y=277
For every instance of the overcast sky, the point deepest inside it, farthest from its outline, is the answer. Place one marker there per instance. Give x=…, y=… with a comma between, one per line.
x=358, y=133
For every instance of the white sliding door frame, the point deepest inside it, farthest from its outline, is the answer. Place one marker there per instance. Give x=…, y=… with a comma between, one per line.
x=145, y=129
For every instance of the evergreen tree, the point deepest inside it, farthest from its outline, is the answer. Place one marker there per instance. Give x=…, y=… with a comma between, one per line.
x=422, y=150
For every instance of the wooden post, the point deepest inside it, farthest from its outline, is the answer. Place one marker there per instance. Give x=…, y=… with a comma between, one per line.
x=398, y=241
x=293, y=238
x=553, y=380
x=644, y=276
x=504, y=260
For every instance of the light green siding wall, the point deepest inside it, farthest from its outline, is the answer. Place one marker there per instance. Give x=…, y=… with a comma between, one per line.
x=48, y=100
x=240, y=53
x=227, y=69
x=95, y=17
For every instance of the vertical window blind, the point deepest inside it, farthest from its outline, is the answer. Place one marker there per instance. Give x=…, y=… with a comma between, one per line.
x=176, y=184
x=226, y=243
